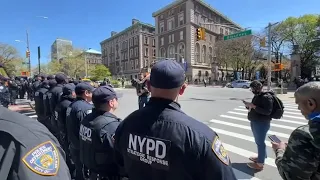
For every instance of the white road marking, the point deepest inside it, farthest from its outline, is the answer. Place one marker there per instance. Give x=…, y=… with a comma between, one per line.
x=248, y=128
x=246, y=120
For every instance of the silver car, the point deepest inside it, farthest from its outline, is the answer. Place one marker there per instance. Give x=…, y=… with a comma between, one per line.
x=239, y=84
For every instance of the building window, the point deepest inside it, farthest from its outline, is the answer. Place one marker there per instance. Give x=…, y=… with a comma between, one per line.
x=221, y=31
x=126, y=65
x=135, y=40
x=171, y=51
x=154, y=52
x=181, y=35
x=153, y=42
x=131, y=42
x=197, y=52
x=136, y=52
x=131, y=53
x=146, y=40
x=162, y=53
x=171, y=38
x=132, y=64
x=162, y=41
x=146, y=63
x=146, y=52
x=161, y=27
x=181, y=19
x=170, y=24
x=137, y=64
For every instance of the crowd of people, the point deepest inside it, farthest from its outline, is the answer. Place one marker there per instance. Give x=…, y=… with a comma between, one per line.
x=81, y=138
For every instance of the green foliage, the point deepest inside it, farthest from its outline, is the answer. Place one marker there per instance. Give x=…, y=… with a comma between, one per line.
x=301, y=31
x=10, y=59
x=100, y=72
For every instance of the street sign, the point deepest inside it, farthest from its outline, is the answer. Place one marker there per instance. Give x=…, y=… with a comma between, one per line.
x=318, y=70
x=237, y=35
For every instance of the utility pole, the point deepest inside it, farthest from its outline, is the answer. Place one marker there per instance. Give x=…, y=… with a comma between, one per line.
x=269, y=56
x=86, y=63
x=39, y=56
x=28, y=49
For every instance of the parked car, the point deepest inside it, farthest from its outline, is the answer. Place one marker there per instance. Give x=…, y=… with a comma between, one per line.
x=239, y=84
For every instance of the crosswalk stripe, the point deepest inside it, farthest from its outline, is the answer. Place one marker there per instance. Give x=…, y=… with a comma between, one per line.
x=246, y=120
x=286, y=112
x=295, y=117
x=248, y=128
x=237, y=135
x=290, y=109
x=283, y=120
x=33, y=116
x=247, y=154
x=28, y=113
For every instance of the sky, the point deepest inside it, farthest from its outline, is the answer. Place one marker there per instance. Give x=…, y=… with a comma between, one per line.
x=87, y=23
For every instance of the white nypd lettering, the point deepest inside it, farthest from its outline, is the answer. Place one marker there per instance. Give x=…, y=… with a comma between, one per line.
x=149, y=150
x=85, y=133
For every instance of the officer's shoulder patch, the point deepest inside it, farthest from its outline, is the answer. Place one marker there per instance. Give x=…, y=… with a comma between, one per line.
x=89, y=111
x=43, y=159
x=220, y=151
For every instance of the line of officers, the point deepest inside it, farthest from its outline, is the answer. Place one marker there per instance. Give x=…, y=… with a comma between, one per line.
x=84, y=129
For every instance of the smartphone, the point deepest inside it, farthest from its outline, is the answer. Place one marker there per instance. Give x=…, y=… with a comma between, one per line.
x=274, y=138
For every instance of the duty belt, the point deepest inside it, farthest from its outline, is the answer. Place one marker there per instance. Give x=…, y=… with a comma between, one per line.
x=91, y=175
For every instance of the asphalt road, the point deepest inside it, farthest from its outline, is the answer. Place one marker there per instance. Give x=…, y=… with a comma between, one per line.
x=222, y=110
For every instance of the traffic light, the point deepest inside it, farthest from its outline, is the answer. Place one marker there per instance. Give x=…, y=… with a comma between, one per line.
x=27, y=54
x=278, y=67
x=203, y=34
x=263, y=42
x=199, y=34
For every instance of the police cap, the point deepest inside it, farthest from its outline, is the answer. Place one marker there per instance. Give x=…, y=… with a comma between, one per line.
x=43, y=76
x=52, y=83
x=84, y=86
x=68, y=89
x=60, y=77
x=44, y=83
x=167, y=74
x=50, y=77
x=103, y=94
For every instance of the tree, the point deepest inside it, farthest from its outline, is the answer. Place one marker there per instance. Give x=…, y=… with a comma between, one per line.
x=302, y=31
x=10, y=59
x=100, y=72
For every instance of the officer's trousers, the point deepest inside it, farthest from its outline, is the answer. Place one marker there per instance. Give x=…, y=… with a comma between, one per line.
x=75, y=155
x=13, y=97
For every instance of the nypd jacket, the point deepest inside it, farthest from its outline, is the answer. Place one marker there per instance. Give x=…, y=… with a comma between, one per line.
x=39, y=101
x=160, y=142
x=96, y=145
x=75, y=114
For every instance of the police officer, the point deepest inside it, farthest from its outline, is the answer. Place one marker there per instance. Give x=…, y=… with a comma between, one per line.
x=28, y=150
x=56, y=93
x=13, y=89
x=39, y=96
x=96, y=131
x=67, y=98
x=161, y=142
x=36, y=83
x=4, y=93
x=75, y=114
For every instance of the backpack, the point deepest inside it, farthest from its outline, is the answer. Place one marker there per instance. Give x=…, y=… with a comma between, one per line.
x=278, y=108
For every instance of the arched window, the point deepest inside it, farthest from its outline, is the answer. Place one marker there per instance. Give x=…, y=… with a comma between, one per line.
x=210, y=55
x=171, y=52
x=204, y=54
x=162, y=52
x=181, y=51
x=197, y=53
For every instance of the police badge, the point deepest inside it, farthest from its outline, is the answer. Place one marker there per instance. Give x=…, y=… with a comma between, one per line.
x=220, y=151
x=43, y=159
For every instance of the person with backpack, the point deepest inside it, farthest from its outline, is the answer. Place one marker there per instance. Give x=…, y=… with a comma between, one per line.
x=261, y=110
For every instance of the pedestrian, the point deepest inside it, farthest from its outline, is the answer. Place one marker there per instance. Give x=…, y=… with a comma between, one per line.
x=13, y=89
x=74, y=115
x=259, y=115
x=160, y=141
x=300, y=157
x=28, y=150
x=142, y=91
x=96, y=131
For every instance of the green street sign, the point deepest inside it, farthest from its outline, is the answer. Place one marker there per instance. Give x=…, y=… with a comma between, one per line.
x=237, y=35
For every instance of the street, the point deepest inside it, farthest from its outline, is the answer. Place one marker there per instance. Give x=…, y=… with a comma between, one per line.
x=222, y=110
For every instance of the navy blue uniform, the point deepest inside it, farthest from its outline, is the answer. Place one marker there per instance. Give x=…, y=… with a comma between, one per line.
x=4, y=96
x=160, y=142
x=96, y=145
x=28, y=150
x=39, y=103
x=75, y=114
